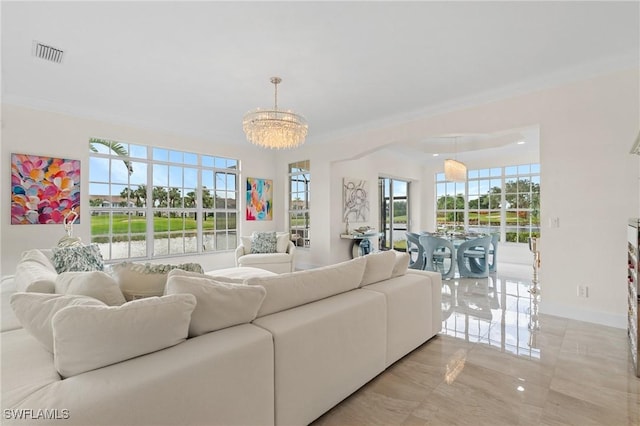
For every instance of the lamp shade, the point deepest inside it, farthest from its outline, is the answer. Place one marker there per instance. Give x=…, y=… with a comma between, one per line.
x=455, y=171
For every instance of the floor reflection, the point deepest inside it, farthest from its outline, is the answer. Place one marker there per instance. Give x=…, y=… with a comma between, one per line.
x=496, y=311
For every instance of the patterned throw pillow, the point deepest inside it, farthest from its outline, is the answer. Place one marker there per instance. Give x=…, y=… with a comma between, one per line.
x=77, y=258
x=263, y=242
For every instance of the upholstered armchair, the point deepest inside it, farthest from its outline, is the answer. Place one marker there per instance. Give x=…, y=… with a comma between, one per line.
x=279, y=258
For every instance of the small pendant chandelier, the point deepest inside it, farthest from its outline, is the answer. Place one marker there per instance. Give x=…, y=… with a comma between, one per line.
x=275, y=129
x=454, y=170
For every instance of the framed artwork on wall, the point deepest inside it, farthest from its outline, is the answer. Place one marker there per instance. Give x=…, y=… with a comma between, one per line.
x=259, y=199
x=44, y=189
x=355, y=200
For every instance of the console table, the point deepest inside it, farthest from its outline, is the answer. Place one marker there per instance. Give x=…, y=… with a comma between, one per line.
x=361, y=243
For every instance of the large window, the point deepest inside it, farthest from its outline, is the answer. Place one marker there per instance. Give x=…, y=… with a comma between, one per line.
x=394, y=212
x=147, y=202
x=299, y=202
x=499, y=199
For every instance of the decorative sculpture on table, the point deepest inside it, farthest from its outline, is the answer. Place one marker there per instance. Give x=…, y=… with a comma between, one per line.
x=69, y=240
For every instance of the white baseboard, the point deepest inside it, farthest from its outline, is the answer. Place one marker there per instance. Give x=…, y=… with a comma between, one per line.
x=571, y=312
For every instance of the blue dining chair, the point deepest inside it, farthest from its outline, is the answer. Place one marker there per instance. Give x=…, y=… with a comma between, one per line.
x=414, y=248
x=493, y=252
x=473, y=257
x=436, y=251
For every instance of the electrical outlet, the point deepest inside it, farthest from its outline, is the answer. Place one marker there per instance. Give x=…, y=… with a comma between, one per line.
x=583, y=291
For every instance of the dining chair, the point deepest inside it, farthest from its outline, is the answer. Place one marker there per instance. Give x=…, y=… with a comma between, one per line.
x=415, y=248
x=493, y=252
x=436, y=251
x=473, y=257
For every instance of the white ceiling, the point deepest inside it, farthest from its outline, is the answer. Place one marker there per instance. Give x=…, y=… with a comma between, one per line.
x=195, y=68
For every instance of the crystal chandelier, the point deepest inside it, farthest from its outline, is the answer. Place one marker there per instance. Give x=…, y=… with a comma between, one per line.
x=454, y=170
x=275, y=129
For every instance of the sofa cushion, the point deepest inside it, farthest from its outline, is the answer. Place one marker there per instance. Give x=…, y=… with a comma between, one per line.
x=90, y=337
x=261, y=258
x=401, y=264
x=292, y=289
x=35, y=272
x=36, y=310
x=218, y=304
x=282, y=242
x=139, y=280
x=379, y=267
x=77, y=258
x=238, y=274
x=264, y=242
x=96, y=284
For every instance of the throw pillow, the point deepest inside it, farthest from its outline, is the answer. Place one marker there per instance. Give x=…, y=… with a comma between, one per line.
x=139, y=280
x=293, y=289
x=282, y=243
x=35, y=273
x=379, y=267
x=35, y=311
x=77, y=258
x=96, y=284
x=401, y=265
x=218, y=304
x=246, y=242
x=263, y=242
x=90, y=337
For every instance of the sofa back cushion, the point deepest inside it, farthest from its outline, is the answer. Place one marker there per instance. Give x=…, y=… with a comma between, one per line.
x=401, y=264
x=35, y=273
x=218, y=304
x=293, y=289
x=90, y=337
x=379, y=267
x=96, y=284
x=36, y=310
x=140, y=280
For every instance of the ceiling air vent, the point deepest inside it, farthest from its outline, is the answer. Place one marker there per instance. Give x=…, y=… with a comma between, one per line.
x=46, y=52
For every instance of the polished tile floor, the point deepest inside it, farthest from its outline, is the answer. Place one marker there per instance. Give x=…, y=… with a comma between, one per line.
x=487, y=367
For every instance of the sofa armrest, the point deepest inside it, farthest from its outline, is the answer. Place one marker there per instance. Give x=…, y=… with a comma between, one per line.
x=239, y=252
x=220, y=378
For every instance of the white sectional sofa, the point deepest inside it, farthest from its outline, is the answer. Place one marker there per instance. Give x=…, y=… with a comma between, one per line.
x=317, y=337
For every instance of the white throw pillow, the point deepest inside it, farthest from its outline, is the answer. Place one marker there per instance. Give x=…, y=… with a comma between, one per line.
x=282, y=242
x=96, y=284
x=90, y=337
x=35, y=273
x=246, y=242
x=379, y=267
x=292, y=289
x=401, y=264
x=219, y=304
x=140, y=280
x=35, y=311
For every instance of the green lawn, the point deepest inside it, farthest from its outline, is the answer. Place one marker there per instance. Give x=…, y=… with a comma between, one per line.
x=100, y=224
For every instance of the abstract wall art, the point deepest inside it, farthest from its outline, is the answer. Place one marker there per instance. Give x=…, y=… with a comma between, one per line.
x=355, y=196
x=259, y=199
x=43, y=189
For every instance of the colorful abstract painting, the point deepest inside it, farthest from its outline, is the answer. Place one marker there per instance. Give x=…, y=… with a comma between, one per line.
x=355, y=200
x=43, y=189
x=259, y=199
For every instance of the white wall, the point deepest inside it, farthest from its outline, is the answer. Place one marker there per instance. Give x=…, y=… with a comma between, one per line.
x=28, y=131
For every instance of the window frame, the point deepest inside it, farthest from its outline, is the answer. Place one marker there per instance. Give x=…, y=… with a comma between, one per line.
x=297, y=211
x=186, y=233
